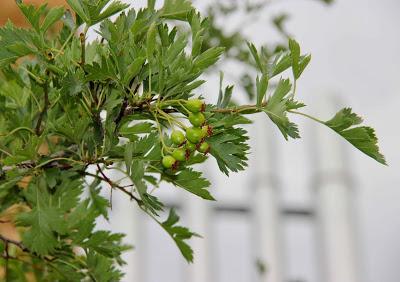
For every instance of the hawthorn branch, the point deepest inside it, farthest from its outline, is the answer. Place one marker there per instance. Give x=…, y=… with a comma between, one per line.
x=22, y=247
x=8, y=241
x=114, y=185
x=240, y=109
x=55, y=162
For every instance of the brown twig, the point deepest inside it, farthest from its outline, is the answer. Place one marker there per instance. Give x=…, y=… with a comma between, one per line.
x=55, y=164
x=83, y=48
x=114, y=185
x=8, y=241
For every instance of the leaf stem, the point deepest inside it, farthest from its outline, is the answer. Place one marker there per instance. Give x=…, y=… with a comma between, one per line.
x=240, y=109
x=16, y=130
x=114, y=185
x=57, y=159
x=164, y=146
x=46, y=105
x=307, y=116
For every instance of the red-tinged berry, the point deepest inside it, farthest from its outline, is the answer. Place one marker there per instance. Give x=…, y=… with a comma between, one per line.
x=177, y=137
x=179, y=154
x=168, y=161
x=195, y=105
x=197, y=119
x=207, y=131
x=203, y=107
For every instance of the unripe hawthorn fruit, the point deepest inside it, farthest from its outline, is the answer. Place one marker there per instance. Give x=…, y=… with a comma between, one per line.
x=194, y=134
x=195, y=105
x=179, y=154
x=168, y=161
x=204, y=148
x=190, y=146
x=197, y=119
x=177, y=137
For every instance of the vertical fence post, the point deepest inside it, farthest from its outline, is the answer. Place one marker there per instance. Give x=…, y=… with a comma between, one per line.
x=266, y=210
x=334, y=206
x=198, y=216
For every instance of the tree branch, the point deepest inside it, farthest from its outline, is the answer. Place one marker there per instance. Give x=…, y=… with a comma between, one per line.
x=114, y=185
x=13, y=242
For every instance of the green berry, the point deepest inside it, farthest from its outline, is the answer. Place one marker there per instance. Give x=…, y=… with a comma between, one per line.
x=168, y=161
x=179, y=154
x=190, y=146
x=177, y=137
x=204, y=148
x=194, y=105
x=194, y=134
x=197, y=119
x=204, y=131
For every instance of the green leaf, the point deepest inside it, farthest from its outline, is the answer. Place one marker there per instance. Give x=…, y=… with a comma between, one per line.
x=101, y=268
x=99, y=202
x=33, y=14
x=78, y=7
x=179, y=234
x=229, y=148
x=224, y=96
x=112, y=9
x=262, y=86
x=295, y=56
x=362, y=137
x=52, y=17
x=151, y=41
x=282, y=62
x=192, y=182
x=303, y=63
x=278, y=105
x=45, y=221
x=15, y=43
x=175, y=49
x=134, y=69
x=257, y=59
x=107, y=70
x=73, y=83
x=299, y=63
x=105, y=243
x=176, y=9
x=208, y=58
x=139, y=128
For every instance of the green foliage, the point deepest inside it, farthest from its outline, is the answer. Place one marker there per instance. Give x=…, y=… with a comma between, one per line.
x=362, y=137
x=73, y=111
x=179, y=234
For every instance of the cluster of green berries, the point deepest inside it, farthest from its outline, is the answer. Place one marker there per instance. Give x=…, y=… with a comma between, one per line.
x=193, y=140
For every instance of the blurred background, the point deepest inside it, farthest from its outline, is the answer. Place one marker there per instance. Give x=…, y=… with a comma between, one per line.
x=310, y=210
